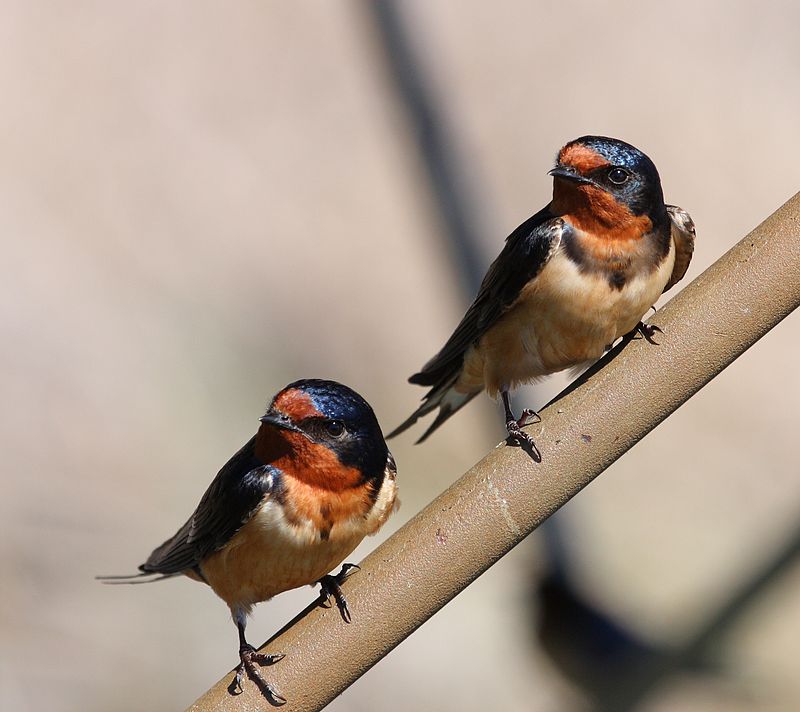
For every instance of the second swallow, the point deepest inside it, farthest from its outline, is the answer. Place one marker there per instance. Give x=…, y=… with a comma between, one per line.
x=571, y=280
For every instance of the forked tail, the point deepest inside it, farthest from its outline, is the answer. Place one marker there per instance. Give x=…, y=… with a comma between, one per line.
x=145, y=576
x=446, y=399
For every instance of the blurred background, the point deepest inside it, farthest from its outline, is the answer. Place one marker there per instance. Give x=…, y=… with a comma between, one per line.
x=204, y=201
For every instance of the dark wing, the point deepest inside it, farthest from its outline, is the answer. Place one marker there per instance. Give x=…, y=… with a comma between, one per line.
x=525, y=253
x=683, y=234
x=231, y=499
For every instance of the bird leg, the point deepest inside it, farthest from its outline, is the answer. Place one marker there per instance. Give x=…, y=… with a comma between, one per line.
x=249, y=661
x=514, y=427
x=331, y=588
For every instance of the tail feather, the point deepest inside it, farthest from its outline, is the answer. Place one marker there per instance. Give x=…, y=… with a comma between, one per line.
x=445, y=411
x=423, y=379
x=424, y=409
x=146, y=576
x=446, y=399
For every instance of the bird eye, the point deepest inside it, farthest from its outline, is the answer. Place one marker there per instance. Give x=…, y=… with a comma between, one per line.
x=334, y=428
x=618, y=176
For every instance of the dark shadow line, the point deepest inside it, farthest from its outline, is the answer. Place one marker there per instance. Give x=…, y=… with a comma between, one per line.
x=434, y=142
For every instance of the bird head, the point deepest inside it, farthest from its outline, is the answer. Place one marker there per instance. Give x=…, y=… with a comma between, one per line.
x=325, y=432
x=610, y=177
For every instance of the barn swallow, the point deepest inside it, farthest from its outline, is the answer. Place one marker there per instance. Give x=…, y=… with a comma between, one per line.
x=286, y=509
x=570, y=280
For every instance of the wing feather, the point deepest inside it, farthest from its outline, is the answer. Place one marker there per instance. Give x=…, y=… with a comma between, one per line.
x=683, y=234
x=525, y=253
x=235, y=494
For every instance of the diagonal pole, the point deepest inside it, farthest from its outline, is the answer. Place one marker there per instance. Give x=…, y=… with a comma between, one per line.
x=506, y=495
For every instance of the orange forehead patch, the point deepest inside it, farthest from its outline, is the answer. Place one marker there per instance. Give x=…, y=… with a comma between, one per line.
x=296, y=404
x=582, y=158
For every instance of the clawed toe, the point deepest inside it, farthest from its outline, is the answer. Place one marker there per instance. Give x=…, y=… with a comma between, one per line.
x=648, y=331
x=249, y=662
x=514, y=427
x=331, y=589
x=346, y=572
x=522, y=439
x=525, y=417
x=267, y=658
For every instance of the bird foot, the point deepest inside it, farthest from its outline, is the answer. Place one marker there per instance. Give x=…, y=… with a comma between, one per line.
x=648, y=331
x=525, y=441
x=526, y=415
x=250, y=660
x=332, y=589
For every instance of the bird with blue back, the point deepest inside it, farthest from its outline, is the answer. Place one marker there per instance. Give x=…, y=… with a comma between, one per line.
x=285, y=510
x=569, y=282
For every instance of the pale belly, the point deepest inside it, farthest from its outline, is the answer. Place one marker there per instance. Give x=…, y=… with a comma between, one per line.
x=561, y=320
x=270, y=554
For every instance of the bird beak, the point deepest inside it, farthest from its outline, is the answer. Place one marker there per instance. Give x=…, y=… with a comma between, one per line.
x=570, y=174
x=280, y=421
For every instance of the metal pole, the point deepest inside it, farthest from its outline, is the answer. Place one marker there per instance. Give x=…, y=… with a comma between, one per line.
x=506, y=495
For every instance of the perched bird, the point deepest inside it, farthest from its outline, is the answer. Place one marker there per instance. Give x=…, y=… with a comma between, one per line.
x=569, y=281
x=286, y=509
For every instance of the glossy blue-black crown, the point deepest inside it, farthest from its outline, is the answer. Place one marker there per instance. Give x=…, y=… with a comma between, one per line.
x=644, y=193
x=335, y=400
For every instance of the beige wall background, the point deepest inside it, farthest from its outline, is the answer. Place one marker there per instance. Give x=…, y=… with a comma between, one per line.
x=200, y=202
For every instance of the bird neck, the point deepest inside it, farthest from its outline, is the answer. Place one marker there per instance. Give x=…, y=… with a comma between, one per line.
x=595, y=211
x=304, y=460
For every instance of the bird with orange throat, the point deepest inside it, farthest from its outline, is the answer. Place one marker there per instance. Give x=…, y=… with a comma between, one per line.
x=571, y=280
x=285, y=510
